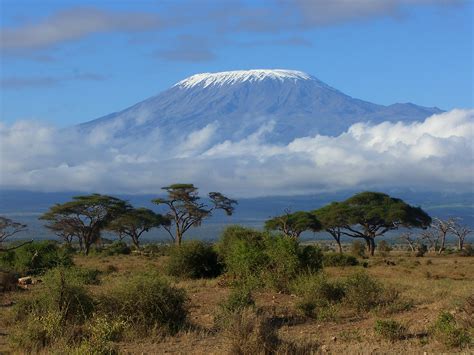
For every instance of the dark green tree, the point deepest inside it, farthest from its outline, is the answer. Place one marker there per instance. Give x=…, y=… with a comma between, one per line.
x=333, y=219
x=135, y=221
x=85, y=217
x=186, y=209
x=372, y=214
x=293, y=224
x=368, y=215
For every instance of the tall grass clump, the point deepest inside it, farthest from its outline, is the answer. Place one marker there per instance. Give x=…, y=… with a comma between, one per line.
x=447, y=330
x=194, y=260
x=146, y=302
x=338, y=259
x=390, y=329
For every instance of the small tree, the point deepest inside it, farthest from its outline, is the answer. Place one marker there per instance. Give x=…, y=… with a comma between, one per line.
x=135, y=221
x=461, y=232
x=9, y=228
x=293, y=224
x=333, y=219
x=85, y=217
x=440, y=229
x=186, y=210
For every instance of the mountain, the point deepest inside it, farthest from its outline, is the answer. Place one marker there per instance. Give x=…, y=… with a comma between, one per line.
x=286, y=103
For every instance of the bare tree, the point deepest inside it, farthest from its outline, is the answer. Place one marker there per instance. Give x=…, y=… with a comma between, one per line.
x=461, y=232
x=408, y=238
x=442, y=228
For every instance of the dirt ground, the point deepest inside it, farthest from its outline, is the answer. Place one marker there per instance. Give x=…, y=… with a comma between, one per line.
x=434, y=283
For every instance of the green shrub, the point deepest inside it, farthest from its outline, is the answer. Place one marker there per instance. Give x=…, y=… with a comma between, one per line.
x=146, y=301
x=447, y=331
x=156, y=249
x=362, y=292
x=383, y=248
x=421, y=250
x=338, y=259
x=272, y=260
x=36, y=258
x=358, y=248
x=390, y=330
x=86, y=276
x=318, y=295
x=117, y=248
x=193, y=259
x=311, y=258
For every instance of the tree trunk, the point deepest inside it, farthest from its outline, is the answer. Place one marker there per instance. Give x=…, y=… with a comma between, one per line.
x=460, y=244
x=443, y=241
x=136, y=242
x=339, y=246
x=372, y=247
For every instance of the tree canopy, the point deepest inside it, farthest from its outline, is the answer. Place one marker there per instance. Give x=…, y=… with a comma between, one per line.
x=9, y=228
x=85, y=217
x=186, y=209
x=368, y=215
x=293, y=224
x=135, y=221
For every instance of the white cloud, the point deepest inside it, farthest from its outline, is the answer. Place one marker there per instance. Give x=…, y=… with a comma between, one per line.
x=436, y=154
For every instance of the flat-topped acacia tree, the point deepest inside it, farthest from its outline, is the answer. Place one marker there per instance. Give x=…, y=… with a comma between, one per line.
x=186, y=209
x=368, y=215
x=332, y=218
x=293, y=224
x=85, y=217
x=136, y=221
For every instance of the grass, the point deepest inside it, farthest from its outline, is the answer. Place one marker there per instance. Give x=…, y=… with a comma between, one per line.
x=277, y=313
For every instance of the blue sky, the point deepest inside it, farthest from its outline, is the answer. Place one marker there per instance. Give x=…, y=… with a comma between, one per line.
x=66, y=62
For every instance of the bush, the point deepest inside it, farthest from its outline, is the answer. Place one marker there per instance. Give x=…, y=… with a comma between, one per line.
x=270, y=260
x=156, y=249
x=318, y=295
x=390, y=330
x=46, y=318
x=239, y=299
x=468, y=250
x=358, y=248
x=311, y=258
x=421, y=250
x=117, y=248
x=146, y=301
x=36, y=258
x=194, y=260
x=362, y=292
x=383, y=248
x=447, y=331
x=338, y=259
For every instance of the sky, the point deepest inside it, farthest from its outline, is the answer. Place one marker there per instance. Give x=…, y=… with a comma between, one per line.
x=66, y=62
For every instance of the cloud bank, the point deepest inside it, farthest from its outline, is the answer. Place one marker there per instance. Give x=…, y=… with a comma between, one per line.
x=436, y=154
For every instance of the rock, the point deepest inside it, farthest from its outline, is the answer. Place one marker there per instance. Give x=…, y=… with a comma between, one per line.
x=334, y=338
x=25, y=280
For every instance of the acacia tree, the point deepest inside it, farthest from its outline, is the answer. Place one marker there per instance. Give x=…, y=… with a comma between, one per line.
x=9, y=228
x=293, y=224
x=368, y=215
x=333, y=219
x=135, y=221
x=186, y=209
x=85, y=217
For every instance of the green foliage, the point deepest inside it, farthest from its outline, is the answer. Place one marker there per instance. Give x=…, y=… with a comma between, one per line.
x=194, y=260
x=318, y=295
x=362, y=292
x=293, y=224
x=146, y=302
x=384, y=248
x=390, y=330
x=311, y=258
x=338, y=259
x=36, y=258
x=116, y=248
x=270, y=259
x=155, y=249
x=358, y=248
x=448, y=332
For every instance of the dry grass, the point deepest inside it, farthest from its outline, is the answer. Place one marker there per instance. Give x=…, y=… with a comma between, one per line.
x=444, y=283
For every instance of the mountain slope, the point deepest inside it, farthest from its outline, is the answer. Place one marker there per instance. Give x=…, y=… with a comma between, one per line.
x=235, y=104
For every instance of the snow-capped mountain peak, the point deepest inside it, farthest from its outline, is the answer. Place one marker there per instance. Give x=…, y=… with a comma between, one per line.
x=204, y=80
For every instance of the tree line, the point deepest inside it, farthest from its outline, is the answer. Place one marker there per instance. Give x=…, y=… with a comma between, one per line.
x=366, y=215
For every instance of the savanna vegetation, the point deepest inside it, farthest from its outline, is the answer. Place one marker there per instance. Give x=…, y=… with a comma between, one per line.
x=250, y=292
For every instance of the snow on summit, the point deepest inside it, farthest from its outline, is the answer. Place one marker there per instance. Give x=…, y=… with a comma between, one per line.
x=239, y=76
